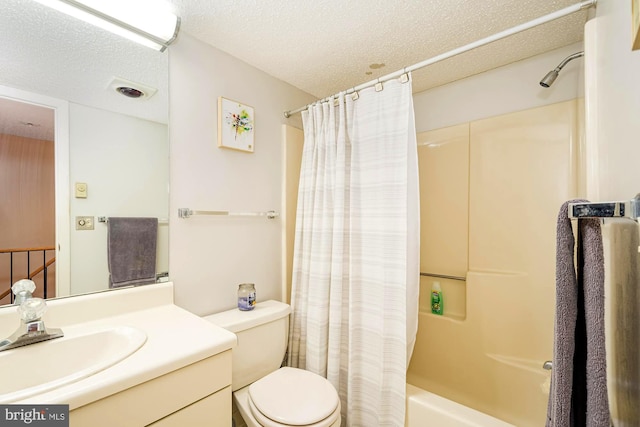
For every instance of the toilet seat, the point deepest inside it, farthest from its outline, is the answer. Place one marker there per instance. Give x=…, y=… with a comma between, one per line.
x=293, y=397
x=267, y=422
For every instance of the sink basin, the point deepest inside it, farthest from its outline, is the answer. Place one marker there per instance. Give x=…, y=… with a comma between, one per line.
x=47, y=365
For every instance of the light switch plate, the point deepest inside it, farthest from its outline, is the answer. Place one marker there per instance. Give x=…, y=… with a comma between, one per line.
x=84, y=223
x=81, y=190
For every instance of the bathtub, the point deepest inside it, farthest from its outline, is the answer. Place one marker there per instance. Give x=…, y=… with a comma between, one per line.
x=425, y=409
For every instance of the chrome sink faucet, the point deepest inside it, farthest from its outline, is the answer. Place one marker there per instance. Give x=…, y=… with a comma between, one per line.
x=32, y=328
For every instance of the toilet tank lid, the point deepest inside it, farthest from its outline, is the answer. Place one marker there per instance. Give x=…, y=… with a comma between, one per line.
x=236, y=320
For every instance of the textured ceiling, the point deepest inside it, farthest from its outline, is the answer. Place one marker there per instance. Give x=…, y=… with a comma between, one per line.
x=324, y=46
x=26, y=120
x=319, y=46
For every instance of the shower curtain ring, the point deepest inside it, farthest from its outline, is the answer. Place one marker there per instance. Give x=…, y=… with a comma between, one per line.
x=355, y=94
x=405, y=76
x=378, y=85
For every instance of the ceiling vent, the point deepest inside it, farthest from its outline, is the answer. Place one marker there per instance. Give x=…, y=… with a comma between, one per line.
x=131, y=89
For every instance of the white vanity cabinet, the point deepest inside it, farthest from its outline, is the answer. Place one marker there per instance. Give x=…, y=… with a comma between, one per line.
x=179, y=376
x=195, y=395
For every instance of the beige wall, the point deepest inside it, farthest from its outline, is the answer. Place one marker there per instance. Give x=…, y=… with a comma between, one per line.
x=292, y=144
x=210, y=256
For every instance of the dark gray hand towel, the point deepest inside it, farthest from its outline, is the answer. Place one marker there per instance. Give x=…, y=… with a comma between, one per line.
x=131, y=250
x=578, y=394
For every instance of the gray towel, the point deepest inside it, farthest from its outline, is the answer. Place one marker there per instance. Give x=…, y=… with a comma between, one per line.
x=578, y=394
x=131, y=250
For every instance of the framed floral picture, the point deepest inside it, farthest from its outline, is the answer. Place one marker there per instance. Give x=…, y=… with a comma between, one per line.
x=236, y=125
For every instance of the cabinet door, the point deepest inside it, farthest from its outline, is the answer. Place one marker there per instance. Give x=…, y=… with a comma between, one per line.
x=156, y=399
x=443, y=158
x=212, y=411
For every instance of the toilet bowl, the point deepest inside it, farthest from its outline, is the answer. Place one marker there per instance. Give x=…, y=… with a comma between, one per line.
x=289, y=397
x=266, y=394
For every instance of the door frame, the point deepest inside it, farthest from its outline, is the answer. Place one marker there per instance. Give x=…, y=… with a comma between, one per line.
x=61, y=143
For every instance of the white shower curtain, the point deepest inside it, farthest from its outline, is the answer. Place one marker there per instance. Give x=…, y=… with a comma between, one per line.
x=356, y=256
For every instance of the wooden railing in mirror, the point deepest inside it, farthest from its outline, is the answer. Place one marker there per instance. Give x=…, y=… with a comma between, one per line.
x=27, y=263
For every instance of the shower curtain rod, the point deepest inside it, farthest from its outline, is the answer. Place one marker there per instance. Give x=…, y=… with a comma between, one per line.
x=511, y=31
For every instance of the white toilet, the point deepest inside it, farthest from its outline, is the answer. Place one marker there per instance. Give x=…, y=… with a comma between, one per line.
x=266, y=394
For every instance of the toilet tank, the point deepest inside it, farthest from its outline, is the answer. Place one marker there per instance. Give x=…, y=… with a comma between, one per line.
x=262, y=339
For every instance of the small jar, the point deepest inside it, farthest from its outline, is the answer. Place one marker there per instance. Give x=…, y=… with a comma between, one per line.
x=246, y=296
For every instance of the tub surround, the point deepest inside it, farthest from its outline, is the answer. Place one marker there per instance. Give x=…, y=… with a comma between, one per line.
x=502, y=182
x=176, y=340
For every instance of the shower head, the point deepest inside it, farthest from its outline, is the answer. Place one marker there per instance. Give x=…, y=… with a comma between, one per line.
x=549, y=78
x=553, y=74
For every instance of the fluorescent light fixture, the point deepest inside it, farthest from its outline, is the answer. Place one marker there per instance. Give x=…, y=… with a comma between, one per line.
x=144, y=21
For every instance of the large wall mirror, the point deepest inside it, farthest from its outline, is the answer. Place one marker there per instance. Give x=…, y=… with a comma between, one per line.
x=64, y=127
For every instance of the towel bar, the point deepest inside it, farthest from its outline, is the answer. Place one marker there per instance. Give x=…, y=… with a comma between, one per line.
x=444, y=276
x=106, y=219
x=186, y=213
x=624, y=209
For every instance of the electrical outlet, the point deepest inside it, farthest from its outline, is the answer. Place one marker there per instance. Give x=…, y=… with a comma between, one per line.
x=84, y=223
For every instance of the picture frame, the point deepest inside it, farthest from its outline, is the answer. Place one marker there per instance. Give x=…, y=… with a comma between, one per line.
x=236, y=125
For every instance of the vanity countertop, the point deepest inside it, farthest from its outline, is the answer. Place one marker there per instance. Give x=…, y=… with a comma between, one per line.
x=175, y=338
